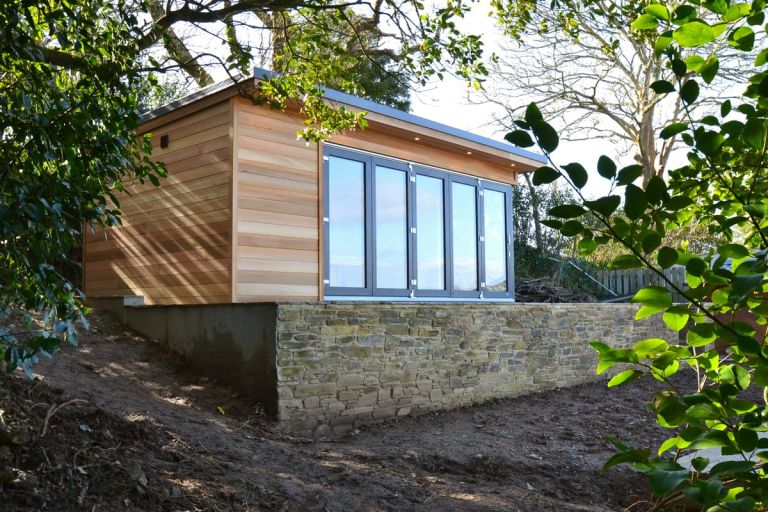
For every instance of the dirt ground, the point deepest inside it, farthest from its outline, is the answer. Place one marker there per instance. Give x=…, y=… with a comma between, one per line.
x=147, y=434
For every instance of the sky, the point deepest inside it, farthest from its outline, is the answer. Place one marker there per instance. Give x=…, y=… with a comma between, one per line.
x=452, y=102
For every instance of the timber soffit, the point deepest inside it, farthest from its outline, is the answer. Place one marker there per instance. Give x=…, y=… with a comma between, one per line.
x=353, y=101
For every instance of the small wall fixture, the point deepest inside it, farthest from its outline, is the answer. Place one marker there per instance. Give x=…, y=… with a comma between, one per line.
x=417, y=138
x=469, y=152
x=164, y=141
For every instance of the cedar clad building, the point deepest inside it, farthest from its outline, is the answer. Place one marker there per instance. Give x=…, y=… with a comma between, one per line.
x=406, y=209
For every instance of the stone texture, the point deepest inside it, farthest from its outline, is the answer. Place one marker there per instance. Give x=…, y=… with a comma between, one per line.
x=344, y=364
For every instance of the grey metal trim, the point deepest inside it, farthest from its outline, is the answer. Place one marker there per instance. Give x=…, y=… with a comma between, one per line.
x=354, y=101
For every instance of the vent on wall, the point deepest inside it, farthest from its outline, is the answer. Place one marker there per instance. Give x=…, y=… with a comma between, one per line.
x=164, y=141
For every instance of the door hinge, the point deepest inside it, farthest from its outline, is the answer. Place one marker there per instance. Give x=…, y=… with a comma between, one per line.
x=325, y=159
x=326, y=281
x=413, y=231
x=326, y=219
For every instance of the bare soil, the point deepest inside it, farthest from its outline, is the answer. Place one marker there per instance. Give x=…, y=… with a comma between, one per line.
x=146, y=433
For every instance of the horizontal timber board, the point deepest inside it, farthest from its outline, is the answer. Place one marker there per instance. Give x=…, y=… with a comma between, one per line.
x=265, y=180
x=295, y=150
x=246, y=190
x=171, y=291
x=267, y=265
x=191, y=141
x=269, y=253
x=266, y=277
x=275, y=160
x=288, y=290
x=217, y=233
x=131, y=281
x=178, y=260
x=281, y=219
x=289, y=175
x=262, y=228
x=157, y=225
x=194, y=267
x=266, y=205
x=164, y=250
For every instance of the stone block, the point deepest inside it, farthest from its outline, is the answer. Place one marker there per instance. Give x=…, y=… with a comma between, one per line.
x=306, y=390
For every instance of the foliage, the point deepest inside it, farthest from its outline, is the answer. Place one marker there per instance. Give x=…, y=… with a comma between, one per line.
x=67, y=140
x=723, y=186
x=589, y=73
x=72, y=75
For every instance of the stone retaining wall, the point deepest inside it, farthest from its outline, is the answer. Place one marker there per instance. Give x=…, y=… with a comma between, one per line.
x=344, y=364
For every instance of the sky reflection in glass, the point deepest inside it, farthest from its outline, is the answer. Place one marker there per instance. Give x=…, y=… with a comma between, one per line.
x=346, y=230
x=430, y=243
x=464, y=218
x=495, y=241
x=391, y=229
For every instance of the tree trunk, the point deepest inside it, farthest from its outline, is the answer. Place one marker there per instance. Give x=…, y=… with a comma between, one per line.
x=178, y=51
x=647, y=146
x=536, y=213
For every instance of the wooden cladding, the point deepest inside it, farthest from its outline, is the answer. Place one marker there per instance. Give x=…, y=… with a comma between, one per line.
x=276, y=212
x=238, y=217
x=174, y=245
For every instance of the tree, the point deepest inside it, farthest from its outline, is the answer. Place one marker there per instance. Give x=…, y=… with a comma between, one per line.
x=72, y=75
x=722, y=186
x=592, y=72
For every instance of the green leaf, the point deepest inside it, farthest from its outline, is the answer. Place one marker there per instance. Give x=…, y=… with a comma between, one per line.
x=656, y=190
x=629, y=174
x=672, y=129
x=544, y=175
x=702, y=412
x=546, y=135
x=663, y=482
x=651, y=242
x=645, y=22
x=676, y=320
x=754, y=132
x=577, y=173
x=694, y=34
x=731, y=468
x=572, y=228
x=624, y=377
x=625, y=261
x=666, y=257
x=695, y=266
x=519, y=138
x=745, y=285
x=761, y=58
x=567, y=211
x=667, y=445
x=662, y=87
x=699, y=463
x=736, y=251
x=653, y=296
x=690, y=91
x=650, y=347
x=658, y=11
x=700, y=335
x=606, y=167
x=709, y=69
x=605, y=205
x=635, y=202
x=533, y=114
x=743, y=38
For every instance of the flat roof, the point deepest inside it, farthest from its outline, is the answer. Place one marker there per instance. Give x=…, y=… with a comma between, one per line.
x=353, y=101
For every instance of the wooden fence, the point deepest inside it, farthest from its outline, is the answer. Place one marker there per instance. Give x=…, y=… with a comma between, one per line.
x=625, y=283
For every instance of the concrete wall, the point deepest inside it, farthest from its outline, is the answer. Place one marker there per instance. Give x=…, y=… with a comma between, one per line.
x=344, y=364
x=233, y=343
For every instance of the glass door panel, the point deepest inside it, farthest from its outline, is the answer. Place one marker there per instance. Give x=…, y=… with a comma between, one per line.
x=495, y=226
x=391, y=220
x=430, y=233
x=346, y=214
x=464, y=223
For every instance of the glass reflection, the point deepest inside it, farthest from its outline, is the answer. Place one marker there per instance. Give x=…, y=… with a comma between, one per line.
x=464, y=221
x=495, y=226
x=391, y=229
x=430, y=242
x=346, y=230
